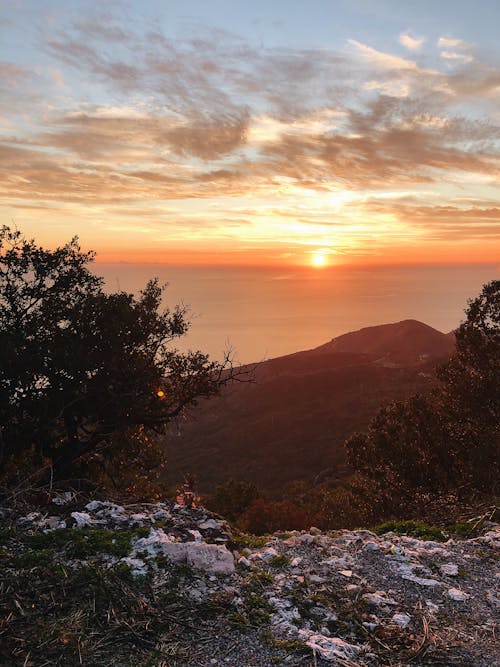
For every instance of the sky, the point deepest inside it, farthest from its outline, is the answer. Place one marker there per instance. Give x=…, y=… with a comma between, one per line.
x=271, y=132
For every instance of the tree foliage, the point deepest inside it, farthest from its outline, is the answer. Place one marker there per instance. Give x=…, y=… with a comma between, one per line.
x=233, y=497
x=449, y=439
x=79, y=364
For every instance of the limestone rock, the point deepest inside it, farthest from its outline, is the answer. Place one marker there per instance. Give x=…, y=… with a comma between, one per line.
x=457, y=595
x=213, y=558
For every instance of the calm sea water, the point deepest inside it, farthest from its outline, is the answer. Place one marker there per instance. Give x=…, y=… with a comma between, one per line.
x=267, y=312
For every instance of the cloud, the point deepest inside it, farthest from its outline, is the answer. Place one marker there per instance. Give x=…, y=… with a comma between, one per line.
x=383, y=60
x=104, y=136
x=453, y=55
x=410, y=42
x=452, y=43
x=262, y=135
x=13, y=74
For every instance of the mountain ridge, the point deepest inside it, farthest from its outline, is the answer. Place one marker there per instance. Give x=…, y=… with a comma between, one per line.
x=292, y=421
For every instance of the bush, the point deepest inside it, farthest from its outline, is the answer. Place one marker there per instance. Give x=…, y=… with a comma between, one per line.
x=233, y=498
x=447, y=442
x=263, y=517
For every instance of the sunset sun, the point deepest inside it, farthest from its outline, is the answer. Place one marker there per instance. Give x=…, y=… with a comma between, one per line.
x=319, y=259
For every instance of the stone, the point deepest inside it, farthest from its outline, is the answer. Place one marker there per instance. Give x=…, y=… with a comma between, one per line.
x=401, y=619
x=408, y=574
x=352, y=588
x=331, y=649
x=55, y=522
x=209, y=524
x=457, y=595
x=265, y=555
x=378, y=598
x=213, y=558
x=449, y=569
x=82, y=519
x=196, y=535
x=63, y=498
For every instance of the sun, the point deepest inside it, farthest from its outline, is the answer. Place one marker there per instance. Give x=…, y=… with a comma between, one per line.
x=319, y=259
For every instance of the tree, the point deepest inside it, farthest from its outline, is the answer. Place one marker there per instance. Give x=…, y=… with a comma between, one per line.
x=450, y=439
x=78, y=364
x=470, y=388
x=406, y=447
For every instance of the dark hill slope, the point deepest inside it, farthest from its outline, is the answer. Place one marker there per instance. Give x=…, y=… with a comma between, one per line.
x=407, y=342
x=291, y=423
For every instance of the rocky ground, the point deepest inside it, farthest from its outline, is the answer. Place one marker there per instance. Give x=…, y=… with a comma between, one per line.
x=162, y=585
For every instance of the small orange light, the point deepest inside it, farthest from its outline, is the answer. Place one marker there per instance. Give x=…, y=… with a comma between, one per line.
x=160, y=393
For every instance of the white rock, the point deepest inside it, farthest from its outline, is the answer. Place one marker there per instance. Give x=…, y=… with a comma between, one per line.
x=94, y=505
x=331, y=649
x=265, y=555
x=245, y=562
x=493, y=598
x=378, y=598
x=401, y=619
x=408, y=574
x=154, y=544
x=63, y=498
x=371, y=546
x=352, y=587
x=371, y=626
x=296, y=561
x=346, y=573
x=210, y=558
x=285, y=615
x=54, y=522
x=458, y=595
x=196, y=534
x=82, y=519
x=209, y=524
x=492, y=537
x=449, y=569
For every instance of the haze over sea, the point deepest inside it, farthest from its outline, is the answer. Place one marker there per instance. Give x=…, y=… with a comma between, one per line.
x=268, y=312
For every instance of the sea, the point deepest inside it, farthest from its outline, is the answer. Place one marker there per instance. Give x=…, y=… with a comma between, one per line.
x=264, y=312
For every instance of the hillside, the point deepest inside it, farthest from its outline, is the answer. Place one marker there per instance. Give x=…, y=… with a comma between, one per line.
x=100, y=584
x=292, y=421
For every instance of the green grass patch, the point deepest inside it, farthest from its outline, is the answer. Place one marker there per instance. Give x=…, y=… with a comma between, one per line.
x=289, y=645
x=412, y=528
x=87, y=542
x=279, y=561
x=248, y=541
x=464, y=529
